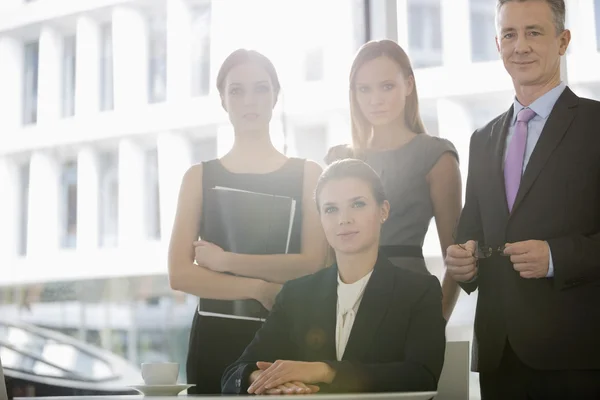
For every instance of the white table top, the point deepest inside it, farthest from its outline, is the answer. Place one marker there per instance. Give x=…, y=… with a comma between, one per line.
x=361, y=396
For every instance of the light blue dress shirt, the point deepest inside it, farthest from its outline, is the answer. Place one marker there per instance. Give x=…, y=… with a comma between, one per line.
x=542, y=107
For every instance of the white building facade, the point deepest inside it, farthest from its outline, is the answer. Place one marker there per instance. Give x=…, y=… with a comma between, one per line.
x=105, y=103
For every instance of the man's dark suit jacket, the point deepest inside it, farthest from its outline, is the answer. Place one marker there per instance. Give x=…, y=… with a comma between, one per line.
x=551, y=323
x=397, y=342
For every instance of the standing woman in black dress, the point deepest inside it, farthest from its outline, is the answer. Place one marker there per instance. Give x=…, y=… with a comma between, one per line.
x=236, y=290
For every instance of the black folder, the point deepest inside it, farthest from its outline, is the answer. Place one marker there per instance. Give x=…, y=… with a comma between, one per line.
x=246, y=222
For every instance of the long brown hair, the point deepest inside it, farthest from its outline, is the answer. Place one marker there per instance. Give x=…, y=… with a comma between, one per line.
x=361, y=128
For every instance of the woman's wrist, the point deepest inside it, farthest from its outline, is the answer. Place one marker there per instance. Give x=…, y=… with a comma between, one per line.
x=256, y=289
x=327, y=374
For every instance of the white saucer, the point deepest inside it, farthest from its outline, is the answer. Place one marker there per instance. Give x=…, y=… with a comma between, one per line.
x=161, y=390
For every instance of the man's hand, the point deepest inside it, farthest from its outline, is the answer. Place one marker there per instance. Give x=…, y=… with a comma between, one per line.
x=531, y=258
x=461, y=262
x=281, y=372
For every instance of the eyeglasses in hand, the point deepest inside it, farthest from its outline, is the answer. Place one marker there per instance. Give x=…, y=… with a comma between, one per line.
x=484, y=251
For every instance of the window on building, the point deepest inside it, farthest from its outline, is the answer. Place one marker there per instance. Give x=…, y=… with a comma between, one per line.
x=68, y=204
x=109, y=199
x=106, y=68
x=424, y=33
x=361, y=27
x=68, y=76
x=157, y=54
x=204, y=149
x=201, y=20
x=483, y=30
x=311, y=142
x=152, y=197
x=30, y=82
x=597, y=14
x=314, y=64
x=23, y=208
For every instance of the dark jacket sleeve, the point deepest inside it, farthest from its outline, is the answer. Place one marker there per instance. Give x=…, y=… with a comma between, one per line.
x=424, y=354
x=271, y=342
x=469, y=224
x=575, y=259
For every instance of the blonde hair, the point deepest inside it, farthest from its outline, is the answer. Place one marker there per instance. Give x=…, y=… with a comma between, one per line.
x=361, y=128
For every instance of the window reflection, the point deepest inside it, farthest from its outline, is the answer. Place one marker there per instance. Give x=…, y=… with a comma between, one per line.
x=32, y=353
x=137, y=318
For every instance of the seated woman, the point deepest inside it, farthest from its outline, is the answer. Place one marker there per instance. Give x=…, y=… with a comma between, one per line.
x=361, y=325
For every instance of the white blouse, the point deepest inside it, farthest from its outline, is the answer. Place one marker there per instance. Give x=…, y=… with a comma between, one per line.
x=349, y=298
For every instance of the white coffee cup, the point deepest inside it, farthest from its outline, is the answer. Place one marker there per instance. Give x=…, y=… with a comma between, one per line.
x=160, y=373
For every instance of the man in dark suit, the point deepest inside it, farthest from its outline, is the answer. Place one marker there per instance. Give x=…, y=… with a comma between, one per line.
x=529, y=234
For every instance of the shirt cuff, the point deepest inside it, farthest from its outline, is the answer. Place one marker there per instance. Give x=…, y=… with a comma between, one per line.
x=550, y=273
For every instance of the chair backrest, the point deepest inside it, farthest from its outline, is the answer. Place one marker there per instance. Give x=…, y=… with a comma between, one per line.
x=3, y=393
x=454, y=381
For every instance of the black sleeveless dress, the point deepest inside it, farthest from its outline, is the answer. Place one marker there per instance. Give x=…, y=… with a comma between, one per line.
x=219, y=334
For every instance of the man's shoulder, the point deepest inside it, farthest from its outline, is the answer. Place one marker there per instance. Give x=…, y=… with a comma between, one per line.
x=590, y=104
x=587, y=109
x=486, y=129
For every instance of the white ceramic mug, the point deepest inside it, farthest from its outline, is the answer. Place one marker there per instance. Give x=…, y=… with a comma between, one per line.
x=160, y=373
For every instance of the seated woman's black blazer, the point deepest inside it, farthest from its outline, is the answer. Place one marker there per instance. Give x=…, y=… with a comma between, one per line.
x=397, y=341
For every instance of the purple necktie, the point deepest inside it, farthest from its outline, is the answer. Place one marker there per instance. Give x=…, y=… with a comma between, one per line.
x=513, y=167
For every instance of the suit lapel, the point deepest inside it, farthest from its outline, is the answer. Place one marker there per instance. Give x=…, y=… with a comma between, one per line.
x=554, y=130
x=320, y=338
x=373, y=307
x=498, y=141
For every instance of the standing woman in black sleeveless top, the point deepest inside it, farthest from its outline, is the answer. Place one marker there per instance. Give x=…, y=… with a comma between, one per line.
x=232, y=287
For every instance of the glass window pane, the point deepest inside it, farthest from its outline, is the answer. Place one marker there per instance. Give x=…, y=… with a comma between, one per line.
x=23, y=207
x=68, y=69
x=106, y=68
x=360, y=23
x=201, y=23
x=30, y=82
x=424, y=33
x=109, y=199
x=152, y=196
x=483, y=47
x=597, y=14
x=68, y=204
x=157, y=52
